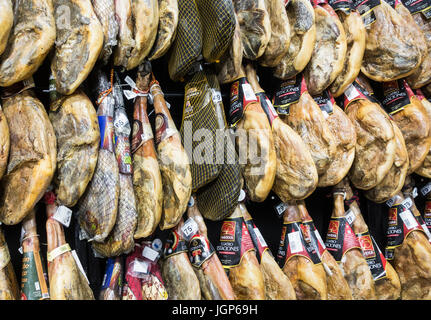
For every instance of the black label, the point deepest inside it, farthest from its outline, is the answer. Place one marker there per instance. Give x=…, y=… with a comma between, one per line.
x=309, y=228
x=365, y=8
x=354, y=92
x=401, y=222
x=241, y=94
x=340, y=238
x=288, y=92
x=395, y=96
x=342, y=5
x=292, y=244
x=372, y=254
x=267, y=106
x=415, y=6
x=174, y=245
x=392, y=3
x=427, y=214
x=235, y=241
x=200, y=250
x=326, y=101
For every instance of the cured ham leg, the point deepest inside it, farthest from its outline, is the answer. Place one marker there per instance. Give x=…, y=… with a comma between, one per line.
x=31, y=38
x=4, y=143
x=349, y=255
x=9, y=289
x=33, y=283
x=66, y=280
x=6, y=22
x=147, y=180
x=213, y=280
x=180, y=279
x=173, y=162
x=304, y=268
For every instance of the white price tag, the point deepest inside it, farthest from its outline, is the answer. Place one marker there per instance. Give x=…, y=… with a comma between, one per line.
x=20, y=250
x=150, y=254
x=390, y=202
x=426, y=189
x=189, y=228
x=407, y=203
x=129, y=94
x=22, y=234
x=63, y=215
x=37, y=286
x=248, y=92
x=271, y=107
x=351, y=92
x=259, y=237
x=83, y=235
x=216, y=96
x=295, y=243
x=350, y=216
x=140, y=266
x=415, y=192
x=281, y=208
x=130, y=82
x=408, y=219
x=121, y=120
x=78, y=263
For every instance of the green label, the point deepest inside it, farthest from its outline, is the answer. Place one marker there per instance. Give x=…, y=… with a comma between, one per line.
x=33, y=285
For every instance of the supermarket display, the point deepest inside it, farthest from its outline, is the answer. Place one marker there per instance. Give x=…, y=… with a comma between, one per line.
x=215, y=150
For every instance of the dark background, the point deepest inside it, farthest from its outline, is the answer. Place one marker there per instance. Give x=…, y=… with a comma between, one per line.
x=319, y=204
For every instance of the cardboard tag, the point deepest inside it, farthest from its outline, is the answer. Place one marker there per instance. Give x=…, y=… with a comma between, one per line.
x=190, y=228
x=409, y=219
x=407, y=203
x=426, y=189
x=350, y=216
x=140, y=266
x=390, y=202
x=63, y=215
x=280, y=208
x=150, y=254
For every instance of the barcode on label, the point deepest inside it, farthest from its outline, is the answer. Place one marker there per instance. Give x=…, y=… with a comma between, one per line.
x=426, y=189
x=350, y=216
x=248, y=92
x=319, y=238
x=150, y=254
x=37, y=286
x=351, y=92
x=260, y=238
x=189, y=228
x=63, y=215
x=408, y=219
x=295, y=243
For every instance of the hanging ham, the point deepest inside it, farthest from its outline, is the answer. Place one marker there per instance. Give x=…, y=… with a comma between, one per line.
x=98, y=207
x=76, y=128
x=67, y=280
x=30, y=40
x=302, y=266
x=375, y=138
x=167, y=28
x=9, y=289
x=147, y=180
x=390, y=52
x=6, y=22
x=355, y=37
x=32, y=156
x=338, y=288
x=425, y=168
x=296, y=175
x=329, y=52
x=343, y=244
x=213, y=280
x=181, y=281
x=255, y=26
x=344, y=132
x=386, y=280
x=105, y=11
x=278, y=44
x=4, y=142
x=302, y=38
x=238, y=256
x=173, y=162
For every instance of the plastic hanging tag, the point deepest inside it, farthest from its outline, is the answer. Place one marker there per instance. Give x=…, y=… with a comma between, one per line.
x=415, y=192
x=407, y=203
x=150, y=254
x=63, y=215
x=390, y=202
x=280, y=208
x=350, y=216
x=190, y=228
x=130, y=82
x=20, y=250
x=426, y=189
x=140, y=266
x=83, y=235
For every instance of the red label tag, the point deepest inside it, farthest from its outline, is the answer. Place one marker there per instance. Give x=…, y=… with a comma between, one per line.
x=340, y=238
x=419, y=94
x=352, y=93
